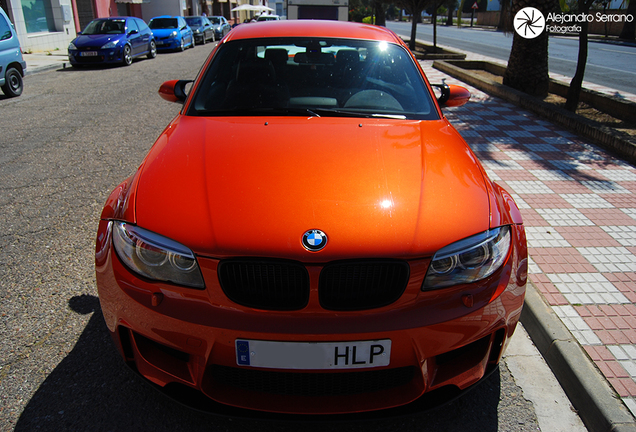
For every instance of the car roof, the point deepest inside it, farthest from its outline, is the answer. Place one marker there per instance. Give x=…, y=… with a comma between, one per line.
x=312, y=28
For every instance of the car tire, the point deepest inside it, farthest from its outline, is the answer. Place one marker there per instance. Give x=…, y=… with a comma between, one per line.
x=182, y=46
x=152, y=50
x=13, y=83
x=127, y=58
x=193, y=42
x=203, y=41
x=213, y=37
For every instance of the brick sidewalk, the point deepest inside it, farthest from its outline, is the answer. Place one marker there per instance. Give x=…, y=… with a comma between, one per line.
x=579, y=208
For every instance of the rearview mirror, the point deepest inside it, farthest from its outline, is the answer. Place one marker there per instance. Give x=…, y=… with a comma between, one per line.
x=452, y=95
x=174, y=90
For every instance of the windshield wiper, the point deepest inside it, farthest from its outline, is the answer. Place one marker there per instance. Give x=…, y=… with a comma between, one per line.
x=299, y=111
x=332, y=112
x=246, y=111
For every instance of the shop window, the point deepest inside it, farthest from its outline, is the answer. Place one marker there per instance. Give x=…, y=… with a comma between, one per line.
x=38, y=16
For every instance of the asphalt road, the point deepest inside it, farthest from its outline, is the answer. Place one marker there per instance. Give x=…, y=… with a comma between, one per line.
x=610, y=65
x=64, y=145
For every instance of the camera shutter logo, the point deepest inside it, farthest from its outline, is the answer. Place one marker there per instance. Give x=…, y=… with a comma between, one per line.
x=529, y=22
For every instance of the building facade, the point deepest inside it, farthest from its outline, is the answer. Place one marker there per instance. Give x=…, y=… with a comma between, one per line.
x=49, y=25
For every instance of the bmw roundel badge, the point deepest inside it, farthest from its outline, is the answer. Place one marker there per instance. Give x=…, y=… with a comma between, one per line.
x=314, y=240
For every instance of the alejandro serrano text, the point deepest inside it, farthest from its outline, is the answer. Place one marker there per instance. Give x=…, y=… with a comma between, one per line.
x=583, y=17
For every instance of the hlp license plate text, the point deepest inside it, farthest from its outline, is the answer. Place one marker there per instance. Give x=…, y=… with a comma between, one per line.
x=313, y=355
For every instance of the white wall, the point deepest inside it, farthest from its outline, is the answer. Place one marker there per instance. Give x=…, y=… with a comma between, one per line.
x=46, y=41
x=160, y=7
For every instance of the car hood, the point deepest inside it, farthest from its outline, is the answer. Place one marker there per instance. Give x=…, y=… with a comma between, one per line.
x=253, y=186
x=98, y=40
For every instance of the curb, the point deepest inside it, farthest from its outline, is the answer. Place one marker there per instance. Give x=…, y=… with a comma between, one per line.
x=597, y=403
x=604, y=136
x=54, y=66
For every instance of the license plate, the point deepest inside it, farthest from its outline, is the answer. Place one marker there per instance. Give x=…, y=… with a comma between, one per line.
x=313, y=355
x=88, y=53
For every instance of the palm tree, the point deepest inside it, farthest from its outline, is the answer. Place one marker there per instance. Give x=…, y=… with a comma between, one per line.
x=527, y=69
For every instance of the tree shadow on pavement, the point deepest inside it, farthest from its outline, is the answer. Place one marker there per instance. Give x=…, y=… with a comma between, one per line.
x=92, y=389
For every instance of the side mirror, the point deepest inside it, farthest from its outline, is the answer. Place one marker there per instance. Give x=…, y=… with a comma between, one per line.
x=174, y=90
x=132, y=32
x=452, y=95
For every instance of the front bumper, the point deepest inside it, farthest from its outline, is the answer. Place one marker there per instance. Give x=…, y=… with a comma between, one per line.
x=168, y=44
x=96, y=56
x=175, y=336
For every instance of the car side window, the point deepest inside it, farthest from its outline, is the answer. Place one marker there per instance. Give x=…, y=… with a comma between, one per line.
x=132, y=25
x=5, y=30
x=143, y=28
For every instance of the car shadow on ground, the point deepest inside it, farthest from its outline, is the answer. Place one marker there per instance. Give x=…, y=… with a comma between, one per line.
x=92, y=389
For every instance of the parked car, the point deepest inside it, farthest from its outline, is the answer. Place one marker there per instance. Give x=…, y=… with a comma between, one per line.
x=12, y=65
x=202, y=29
x=172, y=33
x=333, y=247
x=220, y=25
x=268, y=18
x=116, y=40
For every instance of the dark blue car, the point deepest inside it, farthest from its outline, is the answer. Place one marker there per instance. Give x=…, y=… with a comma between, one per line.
x=171, y=33
x=115, y=40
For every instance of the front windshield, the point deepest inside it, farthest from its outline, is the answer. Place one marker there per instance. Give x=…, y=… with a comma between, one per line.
x=296, y=76
x=215, y=20
x=163, y=23
x=194, y=22
x=105, y=27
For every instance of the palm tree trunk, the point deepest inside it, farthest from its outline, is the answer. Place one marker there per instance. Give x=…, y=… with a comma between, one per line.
x=413, y=32
x=527, y=68
x=574, y=91
x=629, y=28
x=380, y=14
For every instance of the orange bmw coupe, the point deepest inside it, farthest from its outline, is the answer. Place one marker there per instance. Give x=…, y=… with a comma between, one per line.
x=310, y=235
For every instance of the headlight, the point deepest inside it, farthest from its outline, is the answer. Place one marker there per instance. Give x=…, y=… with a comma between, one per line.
x=156, y=257
x=72, y=46
x=468, y=260
x=173, y=34
x=111, y=44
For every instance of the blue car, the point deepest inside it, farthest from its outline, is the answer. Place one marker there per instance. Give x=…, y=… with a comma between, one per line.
x=220, y=25
x=172, y=33
x=116, y=40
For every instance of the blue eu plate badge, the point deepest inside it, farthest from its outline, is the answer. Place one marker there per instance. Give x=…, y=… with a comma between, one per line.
x=243, y=352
